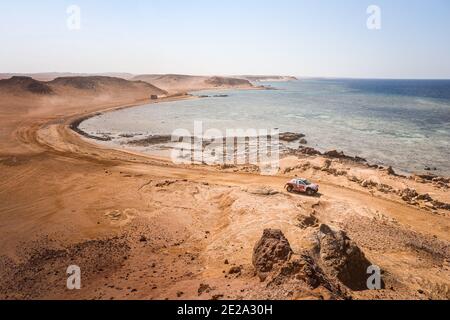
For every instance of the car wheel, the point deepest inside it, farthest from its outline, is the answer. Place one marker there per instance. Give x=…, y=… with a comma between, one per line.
x=310, y=192
x=290, y=189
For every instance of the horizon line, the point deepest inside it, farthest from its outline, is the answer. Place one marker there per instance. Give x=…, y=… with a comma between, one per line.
x=305, y=77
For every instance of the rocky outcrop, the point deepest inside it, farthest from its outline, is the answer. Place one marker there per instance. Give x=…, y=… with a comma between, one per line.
x=271, y=249
x=408, y=195
x=290, y=136
x=306, y=221
x=391, y=172
x=341, y=258
x=308, y=151
x=440, y=205
x=284, y=270
x=440, y=182
x=302, y=270
x=341, y=155
x=150, y=140
x=302, y=167
x=327, y=168
x=333, y=154
x=425, y=201
x=261, y=190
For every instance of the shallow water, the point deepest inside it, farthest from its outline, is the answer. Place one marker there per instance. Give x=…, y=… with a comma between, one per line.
x=403, y=123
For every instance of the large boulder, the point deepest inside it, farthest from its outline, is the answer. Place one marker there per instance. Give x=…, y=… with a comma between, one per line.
x=271, y=249
x=341, y=258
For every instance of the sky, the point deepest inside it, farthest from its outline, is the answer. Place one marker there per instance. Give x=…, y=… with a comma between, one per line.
x=306, y=38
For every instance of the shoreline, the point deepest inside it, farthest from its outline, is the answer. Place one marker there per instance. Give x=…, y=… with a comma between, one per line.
x=302, y=149
x=307, y=152
x=76, y=122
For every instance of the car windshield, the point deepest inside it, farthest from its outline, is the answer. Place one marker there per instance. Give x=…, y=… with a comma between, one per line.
x=301, y=181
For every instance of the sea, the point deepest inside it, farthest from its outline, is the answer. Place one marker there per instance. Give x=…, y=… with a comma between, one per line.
x=400, y=123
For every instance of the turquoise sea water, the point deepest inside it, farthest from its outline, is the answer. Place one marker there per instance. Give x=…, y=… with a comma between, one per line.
x=403, y=123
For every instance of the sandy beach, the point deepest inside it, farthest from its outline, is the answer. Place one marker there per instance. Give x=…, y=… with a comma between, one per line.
x=141, y=227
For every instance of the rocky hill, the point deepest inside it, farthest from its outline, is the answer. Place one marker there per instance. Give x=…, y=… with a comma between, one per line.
x=20, y=85
x=175, y=83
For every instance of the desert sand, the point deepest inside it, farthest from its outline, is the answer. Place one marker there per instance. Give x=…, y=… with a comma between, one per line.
x=141, y=227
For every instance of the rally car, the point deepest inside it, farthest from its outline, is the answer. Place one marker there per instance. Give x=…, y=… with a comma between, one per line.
x=302, y=186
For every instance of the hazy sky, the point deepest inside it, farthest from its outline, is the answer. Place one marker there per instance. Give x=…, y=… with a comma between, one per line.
x=299, y=37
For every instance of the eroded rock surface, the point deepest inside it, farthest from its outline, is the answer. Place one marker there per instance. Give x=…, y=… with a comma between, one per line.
x=271, y=249
x=342, y=258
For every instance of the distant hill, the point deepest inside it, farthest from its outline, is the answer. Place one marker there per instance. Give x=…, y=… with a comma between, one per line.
x=268, y=78
x=175, y=83
x=103, y=83
x=17, y=85
x=49, y=76
x=156, y=84
x=94, y=85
